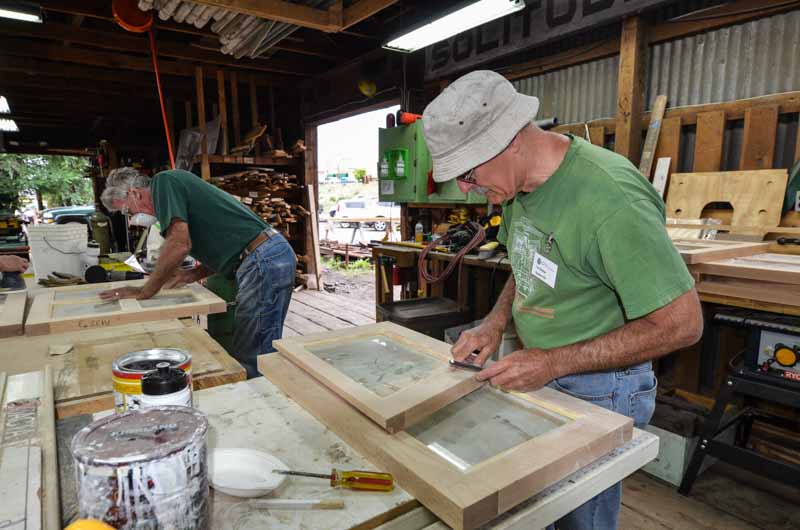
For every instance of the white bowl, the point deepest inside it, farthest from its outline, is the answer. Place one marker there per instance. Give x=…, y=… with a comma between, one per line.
x=244, y=472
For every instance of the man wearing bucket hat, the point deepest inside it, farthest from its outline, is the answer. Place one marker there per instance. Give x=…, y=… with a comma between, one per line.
x=597, y=290
x=226, y=237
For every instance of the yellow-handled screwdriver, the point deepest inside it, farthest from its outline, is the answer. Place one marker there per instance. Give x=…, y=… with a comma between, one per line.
x=353, y=480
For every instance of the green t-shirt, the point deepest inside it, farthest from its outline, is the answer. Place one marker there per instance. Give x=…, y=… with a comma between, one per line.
x=602, y=225
x=220, y=226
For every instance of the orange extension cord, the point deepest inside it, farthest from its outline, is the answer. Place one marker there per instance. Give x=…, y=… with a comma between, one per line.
x=161, y=97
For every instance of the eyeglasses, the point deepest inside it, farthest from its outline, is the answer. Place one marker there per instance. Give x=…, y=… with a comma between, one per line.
x=468, y=178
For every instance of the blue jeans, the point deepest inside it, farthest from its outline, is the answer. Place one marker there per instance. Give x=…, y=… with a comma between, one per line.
x=266, y=280
x=631, y=392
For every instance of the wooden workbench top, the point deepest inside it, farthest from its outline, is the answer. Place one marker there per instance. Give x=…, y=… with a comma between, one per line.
x=499, y=261
x=81, y=360
x=256, y=415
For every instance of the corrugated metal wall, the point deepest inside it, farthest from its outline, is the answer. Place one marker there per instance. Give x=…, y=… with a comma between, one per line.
x=576, y=93
x=752, y=59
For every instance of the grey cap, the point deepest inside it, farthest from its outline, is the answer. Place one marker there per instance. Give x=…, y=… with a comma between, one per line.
x=472, y=121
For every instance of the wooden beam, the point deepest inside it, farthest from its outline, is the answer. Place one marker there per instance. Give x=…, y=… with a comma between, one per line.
x=330, y=20
x=279, y=10
x=187, y=114
x=758, y=145
x=98, y=10
x=47, y=73
x=597, y=135
x=336, y=13
x=205, y=168
x=125, y=42
x=363, y=9
x=669, y=143
x=651, y=140
x=254, y=122
x=630, y=93
x=223, y=112
x=711, y=18
x=797, y=148
x=708, y=141
x=786, y=102
x=237, y=125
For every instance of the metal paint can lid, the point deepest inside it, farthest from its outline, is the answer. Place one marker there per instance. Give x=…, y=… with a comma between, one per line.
x=136, y=364
x=163, y=380
x=139, y=435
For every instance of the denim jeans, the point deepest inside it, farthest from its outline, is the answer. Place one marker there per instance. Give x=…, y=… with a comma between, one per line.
x=266, y=280
x=631, y=392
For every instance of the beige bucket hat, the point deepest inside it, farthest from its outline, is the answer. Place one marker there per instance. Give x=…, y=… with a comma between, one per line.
x=472, y=121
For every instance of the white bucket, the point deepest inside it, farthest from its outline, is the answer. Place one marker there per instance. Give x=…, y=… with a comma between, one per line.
x=57, y=248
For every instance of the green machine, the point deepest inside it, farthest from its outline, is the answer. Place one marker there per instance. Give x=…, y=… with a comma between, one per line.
x=404, y=166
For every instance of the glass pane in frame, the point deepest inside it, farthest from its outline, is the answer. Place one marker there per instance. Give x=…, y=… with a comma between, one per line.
x=168, y=299
x=482, y=425
x=380, y=363
x=77, y=310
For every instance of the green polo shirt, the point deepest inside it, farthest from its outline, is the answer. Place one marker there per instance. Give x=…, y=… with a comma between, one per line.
x=220, y=226
x=599, y=225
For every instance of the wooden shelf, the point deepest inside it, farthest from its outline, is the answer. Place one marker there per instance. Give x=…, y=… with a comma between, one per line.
x=250, y=160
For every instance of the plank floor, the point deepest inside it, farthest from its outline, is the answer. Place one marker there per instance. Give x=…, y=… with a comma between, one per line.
x=717, y=502
x=319, y=311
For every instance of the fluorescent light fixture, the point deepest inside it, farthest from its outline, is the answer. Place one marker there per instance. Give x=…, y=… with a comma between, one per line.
x=4, y=108
x=20, y=10
x=467, y=17
x=8, y=126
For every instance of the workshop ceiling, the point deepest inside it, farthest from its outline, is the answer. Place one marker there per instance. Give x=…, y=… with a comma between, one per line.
x=79, y=77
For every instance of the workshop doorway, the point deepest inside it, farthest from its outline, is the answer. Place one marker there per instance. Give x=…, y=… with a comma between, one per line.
x=347, y=173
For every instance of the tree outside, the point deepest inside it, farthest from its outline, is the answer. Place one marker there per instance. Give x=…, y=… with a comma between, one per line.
x=54, y=179
x=360, y=175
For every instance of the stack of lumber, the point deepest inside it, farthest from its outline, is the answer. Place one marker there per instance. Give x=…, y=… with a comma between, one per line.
x=264, y=191
x=761, y=278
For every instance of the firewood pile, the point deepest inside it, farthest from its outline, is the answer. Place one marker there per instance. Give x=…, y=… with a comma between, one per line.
x=264, y=191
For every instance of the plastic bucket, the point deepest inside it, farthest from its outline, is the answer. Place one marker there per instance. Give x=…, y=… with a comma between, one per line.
x=57, y=248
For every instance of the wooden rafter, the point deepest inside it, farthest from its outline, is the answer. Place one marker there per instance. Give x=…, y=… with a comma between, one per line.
x=124, y=42
x=332, y=20
x=363, y=9
x=109, y=59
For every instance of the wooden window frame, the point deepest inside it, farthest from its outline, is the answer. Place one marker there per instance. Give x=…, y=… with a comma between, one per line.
x=468, y=499
x=40, y=319
x=400, y=409
x=12, y=314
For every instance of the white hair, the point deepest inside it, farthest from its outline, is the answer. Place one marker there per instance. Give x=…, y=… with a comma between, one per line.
x=119, y=182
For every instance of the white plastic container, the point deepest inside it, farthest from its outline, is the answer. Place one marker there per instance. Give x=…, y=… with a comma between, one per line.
x=90, y=257
x=58, y=248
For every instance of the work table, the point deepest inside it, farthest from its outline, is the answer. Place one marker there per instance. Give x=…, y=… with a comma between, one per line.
x=255, y=414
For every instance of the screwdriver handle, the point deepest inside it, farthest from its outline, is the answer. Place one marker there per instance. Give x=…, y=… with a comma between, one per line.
x=362, y=480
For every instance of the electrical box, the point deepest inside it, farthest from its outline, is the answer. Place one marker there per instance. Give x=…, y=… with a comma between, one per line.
x=404, y=170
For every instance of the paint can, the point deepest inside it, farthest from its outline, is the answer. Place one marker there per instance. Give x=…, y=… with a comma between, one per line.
x=165, y=386
x=128, y=370
x=144, y=469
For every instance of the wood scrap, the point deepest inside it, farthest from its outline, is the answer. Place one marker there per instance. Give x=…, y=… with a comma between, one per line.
x=249, y=141
x=651, y=140
x=28, y=465
x=756, y=196
x=298, y=148
x=265, y=190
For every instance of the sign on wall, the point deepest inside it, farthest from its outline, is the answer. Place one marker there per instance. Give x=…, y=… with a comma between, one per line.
x=540, y=22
